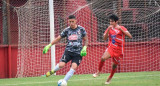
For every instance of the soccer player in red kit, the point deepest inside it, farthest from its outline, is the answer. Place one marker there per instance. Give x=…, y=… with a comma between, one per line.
x=115, y=50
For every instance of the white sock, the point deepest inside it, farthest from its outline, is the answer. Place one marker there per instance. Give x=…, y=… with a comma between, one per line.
x=69, y=74
x=56, y=68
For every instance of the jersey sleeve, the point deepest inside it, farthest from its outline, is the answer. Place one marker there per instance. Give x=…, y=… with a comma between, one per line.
x=83, y=31
x=125, y=29
x=63, y=33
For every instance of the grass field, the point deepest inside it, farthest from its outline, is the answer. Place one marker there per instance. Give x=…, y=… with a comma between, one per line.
x=119, y=79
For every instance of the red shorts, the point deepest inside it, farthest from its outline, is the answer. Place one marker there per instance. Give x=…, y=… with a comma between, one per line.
x=116, y=54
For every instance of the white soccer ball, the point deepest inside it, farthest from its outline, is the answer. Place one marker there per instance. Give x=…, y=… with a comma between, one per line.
x=62, y=82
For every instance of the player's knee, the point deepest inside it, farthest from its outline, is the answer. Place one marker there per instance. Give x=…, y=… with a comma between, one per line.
x=74, y=66
x=103, y=59
x=61, y=65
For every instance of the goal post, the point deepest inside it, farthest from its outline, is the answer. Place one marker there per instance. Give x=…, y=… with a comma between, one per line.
x=52, y=36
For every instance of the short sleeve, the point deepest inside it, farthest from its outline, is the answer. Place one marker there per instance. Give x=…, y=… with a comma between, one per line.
x=125, y=29
x=63, y=33
x=84, y=32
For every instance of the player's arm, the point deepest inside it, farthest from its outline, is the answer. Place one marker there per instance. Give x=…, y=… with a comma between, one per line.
x=84, y=50
x=105, y=36
x=62, y=35
x=126, y=32
x=46, y=48
x=85, y=40
x=56, y=40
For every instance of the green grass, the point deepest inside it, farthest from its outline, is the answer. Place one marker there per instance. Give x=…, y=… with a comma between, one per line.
x=119, y=79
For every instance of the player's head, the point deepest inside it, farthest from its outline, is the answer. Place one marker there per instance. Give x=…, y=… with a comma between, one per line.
x=113, y=19
x=72, y=21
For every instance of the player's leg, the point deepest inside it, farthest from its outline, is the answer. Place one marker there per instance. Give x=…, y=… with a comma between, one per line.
x=58, y=67
x=114, y=68
x=105, y=56
x=65, y=58
x=76, y=60
x=71, y=71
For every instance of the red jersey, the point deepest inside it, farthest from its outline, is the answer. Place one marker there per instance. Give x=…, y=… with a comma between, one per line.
x=116, y=39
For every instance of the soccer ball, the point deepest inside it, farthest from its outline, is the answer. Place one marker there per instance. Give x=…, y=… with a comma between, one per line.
x=62, y=82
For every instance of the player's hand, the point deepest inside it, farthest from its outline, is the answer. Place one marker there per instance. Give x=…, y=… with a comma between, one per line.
x=110, y=27
x=46, y=48
x=118, y=27
x=84, y=51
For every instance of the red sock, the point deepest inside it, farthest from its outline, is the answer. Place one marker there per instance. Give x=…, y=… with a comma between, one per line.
x=112, y=72
x=101, y=63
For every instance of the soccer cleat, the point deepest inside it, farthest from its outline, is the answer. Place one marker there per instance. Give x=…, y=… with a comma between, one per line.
x=107, y=83
x=95, y=75
x=49, y=73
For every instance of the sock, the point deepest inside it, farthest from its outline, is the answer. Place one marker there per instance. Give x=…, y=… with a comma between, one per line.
x=112, y=72
x=56, y=68
x=69, y=74
x=101, y=63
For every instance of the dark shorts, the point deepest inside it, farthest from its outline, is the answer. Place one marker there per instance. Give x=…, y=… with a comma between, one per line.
x=67, y=56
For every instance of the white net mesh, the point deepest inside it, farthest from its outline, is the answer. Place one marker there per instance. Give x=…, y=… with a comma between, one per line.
x=140, y=17
x=34, y=33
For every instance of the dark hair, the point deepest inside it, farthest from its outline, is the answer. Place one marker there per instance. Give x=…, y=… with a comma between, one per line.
x=114, y=17
x=71, y=17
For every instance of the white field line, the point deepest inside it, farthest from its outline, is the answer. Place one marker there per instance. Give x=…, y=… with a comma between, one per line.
x=30, y=83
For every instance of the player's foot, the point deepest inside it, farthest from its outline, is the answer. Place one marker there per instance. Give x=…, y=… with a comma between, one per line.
x=49, y=73
x=107, y=83
x=96, y=75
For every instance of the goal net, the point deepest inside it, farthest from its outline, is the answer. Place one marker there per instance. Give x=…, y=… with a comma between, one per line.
x=140, y=17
